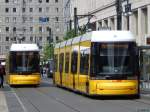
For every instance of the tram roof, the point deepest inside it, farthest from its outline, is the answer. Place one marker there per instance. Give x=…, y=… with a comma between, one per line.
x=24, y=47
x=112, y=36
x=100, y=36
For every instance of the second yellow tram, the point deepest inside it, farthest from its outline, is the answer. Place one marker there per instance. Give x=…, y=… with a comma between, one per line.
x=98, y=63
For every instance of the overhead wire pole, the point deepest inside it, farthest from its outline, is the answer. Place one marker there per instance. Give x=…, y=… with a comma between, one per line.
x=75, y=21
x=128, y=16
x=81, y=16
x=119, y=14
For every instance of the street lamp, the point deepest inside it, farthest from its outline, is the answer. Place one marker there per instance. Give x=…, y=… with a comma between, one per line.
x=127, y=12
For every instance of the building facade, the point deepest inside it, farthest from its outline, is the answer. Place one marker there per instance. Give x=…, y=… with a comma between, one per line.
x=137, y=21
x=30, y=21
x=104, y=12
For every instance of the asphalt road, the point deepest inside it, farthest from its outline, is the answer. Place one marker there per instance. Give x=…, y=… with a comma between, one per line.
x=48, y=98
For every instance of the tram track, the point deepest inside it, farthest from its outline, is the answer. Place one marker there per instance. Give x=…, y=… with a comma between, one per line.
x=49, y=96
x=59, y=101
x=29, y=101
x=125, y=105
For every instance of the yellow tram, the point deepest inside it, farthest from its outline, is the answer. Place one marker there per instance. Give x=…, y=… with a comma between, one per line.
x=98, y=63
x=23, y=65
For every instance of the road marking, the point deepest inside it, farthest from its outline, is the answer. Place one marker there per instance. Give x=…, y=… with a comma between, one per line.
x=23, y=107
x=3, y=104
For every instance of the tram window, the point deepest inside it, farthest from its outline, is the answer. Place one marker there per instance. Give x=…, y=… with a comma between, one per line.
x=113, y=58
x=56, y=62
x=67, y=63
x=61, y=61
x=84, y=61
x=74, y=60
x=24, y=62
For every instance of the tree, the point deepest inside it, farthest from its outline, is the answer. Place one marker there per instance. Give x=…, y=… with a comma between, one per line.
x=48, y=51
x=71, y=33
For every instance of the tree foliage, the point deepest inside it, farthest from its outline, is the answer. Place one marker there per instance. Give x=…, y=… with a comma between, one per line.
x=71, y=33
x=48, y=51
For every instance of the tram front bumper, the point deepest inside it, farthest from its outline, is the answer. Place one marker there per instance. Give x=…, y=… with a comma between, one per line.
x=24, y=80
x=111, y=87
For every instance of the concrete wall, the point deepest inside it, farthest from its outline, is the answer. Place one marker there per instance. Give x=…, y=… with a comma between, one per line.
x=105, y=16
x=57, y=27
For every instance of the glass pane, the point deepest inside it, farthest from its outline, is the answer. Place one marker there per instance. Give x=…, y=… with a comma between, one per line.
x=24, y=62
x=113, y=59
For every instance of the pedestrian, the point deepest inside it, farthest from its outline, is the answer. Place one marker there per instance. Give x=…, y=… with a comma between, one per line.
x=2, y=73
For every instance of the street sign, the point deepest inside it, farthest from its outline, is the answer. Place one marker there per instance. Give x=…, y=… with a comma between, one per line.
x=43, y=19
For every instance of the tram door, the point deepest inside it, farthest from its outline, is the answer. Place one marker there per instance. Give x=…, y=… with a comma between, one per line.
x=145, y=69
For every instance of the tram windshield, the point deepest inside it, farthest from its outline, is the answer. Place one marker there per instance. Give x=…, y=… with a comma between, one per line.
x=24, y=62
x=113, y=59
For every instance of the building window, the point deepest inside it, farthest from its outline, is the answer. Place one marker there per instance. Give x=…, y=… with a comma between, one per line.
x=14, y=29
x=48, y=38
x=31, y=19
x=24, y=19
x=6, y=10
x=14, y=9
x=40, y=9
x=40, y=1
x=7, y=29
x=31, y=38
x=57, y=38
x=23, y=38
x=31, y=29
x=14, y=19
x=7, y=19
x=30, y=1
x=57, y=19
x=57, y=10
x=48, y=28
x=7, y=38
x=14, y=38
x=40, y=29
x=31, y=10
x=47, y=19
x=47, y=9
x=23, y=9
x=15, y=1
x=56, y=1
x=40, y=38
x=6, y=1
x=47, y=1
x=0, y=38
x=6, y=47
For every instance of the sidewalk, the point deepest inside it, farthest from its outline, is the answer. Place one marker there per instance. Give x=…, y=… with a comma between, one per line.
x=145, y=93
x=3, y=104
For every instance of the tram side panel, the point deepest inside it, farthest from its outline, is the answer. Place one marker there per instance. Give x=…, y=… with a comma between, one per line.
x=84, y=66
x=56, y=75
